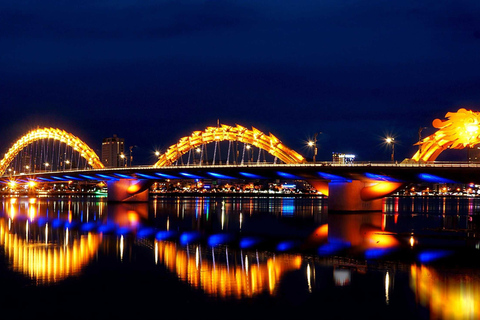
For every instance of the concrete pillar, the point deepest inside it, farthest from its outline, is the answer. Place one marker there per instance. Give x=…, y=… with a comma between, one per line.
x=128, y=190
x=346, y=196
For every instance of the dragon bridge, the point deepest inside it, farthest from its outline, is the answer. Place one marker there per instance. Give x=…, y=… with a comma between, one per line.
x=223, y=132
x=55, y=134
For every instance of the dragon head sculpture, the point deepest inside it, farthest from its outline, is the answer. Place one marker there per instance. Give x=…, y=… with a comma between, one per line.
x=461, y=129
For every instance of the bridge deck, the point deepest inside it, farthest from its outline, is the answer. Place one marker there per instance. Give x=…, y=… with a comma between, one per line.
x=441, y=172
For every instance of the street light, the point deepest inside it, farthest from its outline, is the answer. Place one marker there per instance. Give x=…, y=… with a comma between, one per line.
x=389, y=140
x=122, y=156
x=314, y=145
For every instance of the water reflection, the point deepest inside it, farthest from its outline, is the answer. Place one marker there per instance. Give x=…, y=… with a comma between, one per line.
x=223, y=273
x=449, y=294
x=239, y=247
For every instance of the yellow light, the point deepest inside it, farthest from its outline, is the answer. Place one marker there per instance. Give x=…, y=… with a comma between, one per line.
x=50, y=133
x=460, y=130
x=310, y=143
x=389, y=140
x=254, y=137
x=472, y=128
x=12, y=184
x=31, y=184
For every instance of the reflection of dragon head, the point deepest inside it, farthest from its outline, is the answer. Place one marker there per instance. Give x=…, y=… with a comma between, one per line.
x=460, y=130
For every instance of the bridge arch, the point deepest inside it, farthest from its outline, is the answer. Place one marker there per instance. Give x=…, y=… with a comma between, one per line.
x=50, y=133
x=223, y=132
x=460, y=130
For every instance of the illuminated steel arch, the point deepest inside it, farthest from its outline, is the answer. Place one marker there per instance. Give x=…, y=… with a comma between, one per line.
x=460, y=130
x=255, y=137
x=50, y=133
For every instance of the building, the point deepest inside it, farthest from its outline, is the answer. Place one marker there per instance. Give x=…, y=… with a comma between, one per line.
x=113, y=152
x=474, y=154
x=342, y=158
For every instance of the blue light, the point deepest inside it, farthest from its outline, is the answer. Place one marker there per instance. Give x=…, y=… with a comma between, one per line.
x=146, y=176
x=122, y=176
x=57, y=178
x=432, y=255
x=165, y=235
x=191, y=176
x=333, y=177
x=431, y=178
x=333, y=247
x=251, y=175
x=106, y=177
x=188, y=237
x=219, y=176
x=168, y=176
x=88, y=177
x=287, y=175
x=89, y=226
x=379, y=177
x=45, y=179
x=145, y=232
x=123, y=230
x=72, y=178
x=288, y=207
x=287, y=245
x=220, y=238
x=249, y=242
x=57, y=223
x=375, y=253
x=42, y=221
x=105, y=228
x=70, y=224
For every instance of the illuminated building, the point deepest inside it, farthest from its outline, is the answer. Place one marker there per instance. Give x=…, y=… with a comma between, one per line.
x=474, y=154
x=342, y=158
x=112, y=150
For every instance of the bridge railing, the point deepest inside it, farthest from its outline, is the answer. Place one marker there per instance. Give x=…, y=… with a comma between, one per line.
x=440, y=164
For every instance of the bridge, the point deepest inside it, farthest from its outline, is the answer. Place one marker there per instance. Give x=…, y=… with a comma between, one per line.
x=54, y=155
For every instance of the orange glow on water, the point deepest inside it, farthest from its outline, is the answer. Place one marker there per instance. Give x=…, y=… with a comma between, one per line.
x=47, y=263
x=246, y=278
x=377, y=238
x=450, y=296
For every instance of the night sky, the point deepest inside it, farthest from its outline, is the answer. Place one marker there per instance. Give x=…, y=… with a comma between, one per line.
x=154, y=71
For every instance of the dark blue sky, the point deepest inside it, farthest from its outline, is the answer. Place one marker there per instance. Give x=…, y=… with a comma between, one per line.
x=154, y=71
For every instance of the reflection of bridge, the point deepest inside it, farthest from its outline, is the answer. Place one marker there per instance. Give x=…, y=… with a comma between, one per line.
x=52, y=154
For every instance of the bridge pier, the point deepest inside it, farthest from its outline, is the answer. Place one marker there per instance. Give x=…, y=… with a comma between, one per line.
x=359, y=195
x=128, y=190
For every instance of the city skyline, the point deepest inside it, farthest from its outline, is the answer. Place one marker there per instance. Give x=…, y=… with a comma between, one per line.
x=157, y=71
